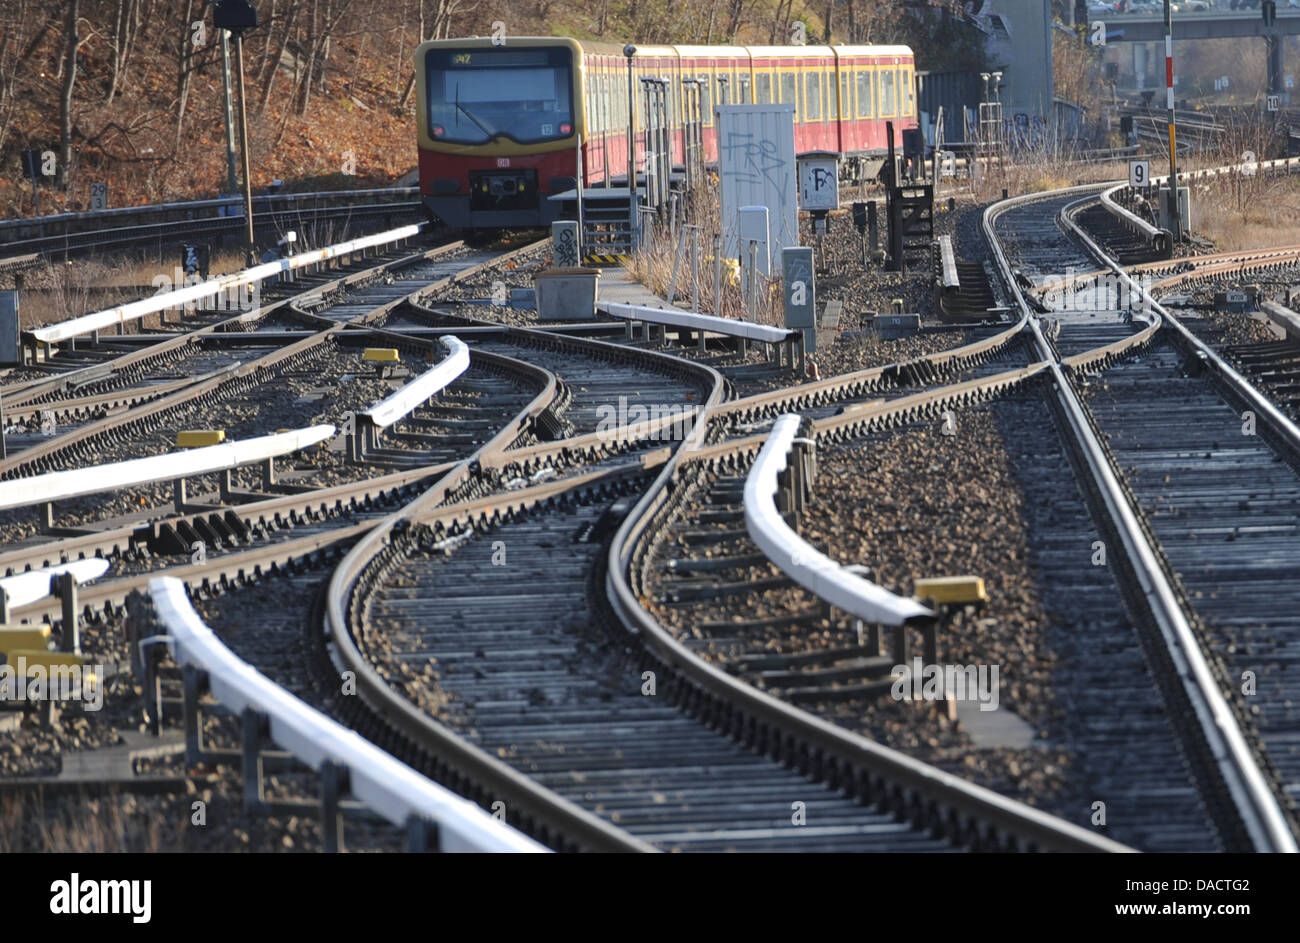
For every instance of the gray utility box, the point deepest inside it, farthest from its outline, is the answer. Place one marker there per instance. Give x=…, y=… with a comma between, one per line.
x=567, y=294
x=892, y=326
x=11, y=348
x=1184, y=210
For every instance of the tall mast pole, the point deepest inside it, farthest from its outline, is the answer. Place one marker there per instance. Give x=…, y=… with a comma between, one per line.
x=1173, y=150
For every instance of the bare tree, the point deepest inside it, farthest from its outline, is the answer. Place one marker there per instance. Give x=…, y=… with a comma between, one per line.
x=184, y=71
x=124, y=30
x=268, y=23
x=780, y=32
x=735, y=13
x=65, y=97
x=285, y=34
x=320, y=27
x=439, y=27
x=14, y=26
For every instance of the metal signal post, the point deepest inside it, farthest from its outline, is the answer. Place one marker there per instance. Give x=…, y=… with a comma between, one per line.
x=236, y=16
x=232, y=177
x=1173, y=150
x=629, y=50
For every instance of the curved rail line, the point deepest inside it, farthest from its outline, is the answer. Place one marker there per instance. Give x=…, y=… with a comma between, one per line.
x=1224, y=746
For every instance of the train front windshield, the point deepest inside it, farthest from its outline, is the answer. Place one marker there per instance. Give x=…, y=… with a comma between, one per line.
x=476, y=95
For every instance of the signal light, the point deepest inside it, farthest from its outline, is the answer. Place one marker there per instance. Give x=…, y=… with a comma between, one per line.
x=860, y=216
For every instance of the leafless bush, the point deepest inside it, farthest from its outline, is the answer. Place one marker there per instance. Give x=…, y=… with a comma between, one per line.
x=653, y=264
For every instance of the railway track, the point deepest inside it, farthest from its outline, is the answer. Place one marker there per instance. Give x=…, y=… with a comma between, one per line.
x=1145, y=462
x=872, y=813
x=77, y=234
x=500, y=597
x=722, y=598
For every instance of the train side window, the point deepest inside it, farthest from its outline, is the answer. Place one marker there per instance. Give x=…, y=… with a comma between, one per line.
x=788, y=92
x=909, y=92
x=846, y=95
x=865, y=97
x=812, y=96
x=888, y=105
x=706, y=98
x=763, y=90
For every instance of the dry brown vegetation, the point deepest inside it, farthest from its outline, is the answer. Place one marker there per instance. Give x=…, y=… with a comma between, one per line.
x=1238, y=212
x=653, y=265
x=58, y=291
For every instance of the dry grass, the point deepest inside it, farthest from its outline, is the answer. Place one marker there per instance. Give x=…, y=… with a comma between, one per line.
x=1237, y=212
x=652, y=266
x=111, y=824
x=57, y=292
x=1038, y=173
x=1240, y=211
x=1233, y=211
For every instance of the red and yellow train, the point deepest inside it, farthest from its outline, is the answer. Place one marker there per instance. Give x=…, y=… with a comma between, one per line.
x=500, y=125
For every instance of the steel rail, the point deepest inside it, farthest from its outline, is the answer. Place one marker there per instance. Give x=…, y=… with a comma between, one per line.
x=20, y=393
x=242, y=377
x=537, y=806
x=279, y=510
x=830, y=389
x=121, y=314
x=1255, y=802
x=927, y=794
x=190, y=205
x=1161, y=240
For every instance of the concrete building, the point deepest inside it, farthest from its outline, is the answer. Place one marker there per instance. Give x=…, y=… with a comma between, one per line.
x=1020, y=44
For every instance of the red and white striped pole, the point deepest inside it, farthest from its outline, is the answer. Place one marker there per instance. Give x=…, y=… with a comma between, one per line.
x=1173, y=151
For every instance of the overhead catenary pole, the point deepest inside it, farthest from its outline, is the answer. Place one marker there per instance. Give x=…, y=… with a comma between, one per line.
x=1173, y=150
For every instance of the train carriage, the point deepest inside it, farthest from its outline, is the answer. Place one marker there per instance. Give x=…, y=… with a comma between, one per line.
x=500, y=126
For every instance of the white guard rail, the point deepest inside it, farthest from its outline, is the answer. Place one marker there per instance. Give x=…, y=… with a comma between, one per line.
x=392, y=408
x=56, y=486
x=1285, y=165
x=1161, y=240
x=181, y=296
x=698, y=322
x=23, y=589
x=803, y=563
x=391, y=788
